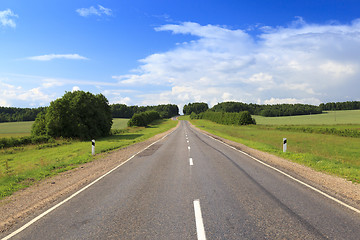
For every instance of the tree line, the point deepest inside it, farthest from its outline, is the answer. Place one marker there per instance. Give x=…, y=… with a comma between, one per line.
x=195, y=108
x=12, y=114
x=124, y=111
x=226, y=118
x=276, y=110
x=349, y=105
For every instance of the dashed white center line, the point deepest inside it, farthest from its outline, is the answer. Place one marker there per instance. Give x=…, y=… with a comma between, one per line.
x=200, y=231
x=191, y=161
x=189, y=147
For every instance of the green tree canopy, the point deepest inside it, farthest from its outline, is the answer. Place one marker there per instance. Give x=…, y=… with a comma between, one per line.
x=77, y=114
x=195, y=107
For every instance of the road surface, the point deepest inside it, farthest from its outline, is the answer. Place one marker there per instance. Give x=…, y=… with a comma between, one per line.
x=190, y=186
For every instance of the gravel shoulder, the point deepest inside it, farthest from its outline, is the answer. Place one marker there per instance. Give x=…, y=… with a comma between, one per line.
x=41, y=195
x=337, y=187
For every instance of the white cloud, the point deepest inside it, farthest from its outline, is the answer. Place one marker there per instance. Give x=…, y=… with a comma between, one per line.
x=11, y=95
x=273, y=101
x=52, y=82
x=7, y=18
x=306, y=63
x=75, y=88
x=97, y=11
x=50, y=57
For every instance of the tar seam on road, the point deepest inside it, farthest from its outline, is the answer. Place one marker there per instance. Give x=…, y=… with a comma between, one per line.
x=291, y=177
x=200, y=231
x=78, y=192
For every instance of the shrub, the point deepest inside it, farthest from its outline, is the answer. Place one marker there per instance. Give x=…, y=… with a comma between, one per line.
x=241, y=118
x=143, y=119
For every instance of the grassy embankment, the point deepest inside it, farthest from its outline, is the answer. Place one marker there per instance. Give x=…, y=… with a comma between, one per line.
x=22, y=166
x=322, y=149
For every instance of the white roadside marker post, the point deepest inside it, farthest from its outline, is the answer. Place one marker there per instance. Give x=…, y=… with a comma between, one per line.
x=93, y=147
x=284, y=144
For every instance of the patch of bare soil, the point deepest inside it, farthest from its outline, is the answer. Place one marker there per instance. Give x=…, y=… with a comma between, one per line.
x=337, y=187
x=40, y=195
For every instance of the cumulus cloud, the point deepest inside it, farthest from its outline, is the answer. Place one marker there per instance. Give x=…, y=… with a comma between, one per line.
x=75, y=88
x=300, y=62
x=97, y=11
x=7, y=18
x=50, y=57
x=11, y=95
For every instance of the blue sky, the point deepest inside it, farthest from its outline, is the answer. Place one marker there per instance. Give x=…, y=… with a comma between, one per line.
x=141, y=52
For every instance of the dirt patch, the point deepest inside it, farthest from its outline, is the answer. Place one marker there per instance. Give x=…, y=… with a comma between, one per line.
x=340, y=188
x=21, y=204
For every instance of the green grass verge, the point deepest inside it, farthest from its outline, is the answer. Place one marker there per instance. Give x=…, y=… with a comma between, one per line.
x=326, y=153
x=22, y=166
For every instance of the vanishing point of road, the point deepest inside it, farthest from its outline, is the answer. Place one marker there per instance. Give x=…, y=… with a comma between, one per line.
x=190, y=186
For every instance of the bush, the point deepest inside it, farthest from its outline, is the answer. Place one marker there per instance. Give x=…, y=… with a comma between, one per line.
x=16, y=142
x=143, y=119
x=241, y=118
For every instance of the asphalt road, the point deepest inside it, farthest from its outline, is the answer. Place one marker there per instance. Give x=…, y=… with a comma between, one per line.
x=189, y=186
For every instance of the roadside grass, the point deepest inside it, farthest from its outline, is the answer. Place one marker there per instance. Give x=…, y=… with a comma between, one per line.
x=20, y=167
x=119, y=123
x=332, y=154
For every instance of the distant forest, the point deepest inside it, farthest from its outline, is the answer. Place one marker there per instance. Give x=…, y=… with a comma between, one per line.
x=276, y=110
x=12, y=114
x=123, y=111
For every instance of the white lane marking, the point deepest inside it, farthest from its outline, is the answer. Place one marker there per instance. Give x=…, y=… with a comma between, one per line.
x=291, y=177
x=191, y=162
x=189, y=147
x=200, y=231
x=81, y=190
x=187, y=141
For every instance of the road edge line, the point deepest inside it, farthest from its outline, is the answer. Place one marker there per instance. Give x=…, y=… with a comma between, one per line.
x=79, y=191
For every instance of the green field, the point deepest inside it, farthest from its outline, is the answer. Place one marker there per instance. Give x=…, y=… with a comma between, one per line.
x=328, y=152
x=15, y=129
x=22, y=166
x=327, y=118
x=119, y=123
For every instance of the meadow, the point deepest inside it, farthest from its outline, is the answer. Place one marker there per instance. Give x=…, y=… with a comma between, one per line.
x=22, y=166
x=349, y=117
x=15, y=129
x=307, y=141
